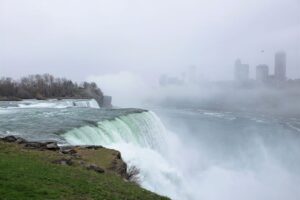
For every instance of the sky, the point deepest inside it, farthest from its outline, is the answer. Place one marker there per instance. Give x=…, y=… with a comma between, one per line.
x=80, y=39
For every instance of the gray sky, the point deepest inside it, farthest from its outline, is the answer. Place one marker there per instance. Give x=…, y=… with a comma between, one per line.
x=83, y=38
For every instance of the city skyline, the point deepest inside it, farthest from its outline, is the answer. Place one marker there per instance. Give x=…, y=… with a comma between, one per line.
x=262, y=71
x=100, y=38
x=241, y=72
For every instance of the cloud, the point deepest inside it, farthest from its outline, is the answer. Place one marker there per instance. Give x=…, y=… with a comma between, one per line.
x=127, y=88
x=148, y=37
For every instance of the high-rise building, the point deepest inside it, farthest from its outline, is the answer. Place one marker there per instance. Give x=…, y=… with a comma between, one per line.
x=280, y=66
x=241, y=71
x=262, y=73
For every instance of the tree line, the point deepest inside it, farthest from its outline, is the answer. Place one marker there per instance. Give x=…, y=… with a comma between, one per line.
x=47, y=86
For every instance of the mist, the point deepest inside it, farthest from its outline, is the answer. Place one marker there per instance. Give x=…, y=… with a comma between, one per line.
x=220, y=113
x=78, y=39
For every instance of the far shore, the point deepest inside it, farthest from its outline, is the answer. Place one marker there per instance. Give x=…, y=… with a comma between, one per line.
x=57, y=98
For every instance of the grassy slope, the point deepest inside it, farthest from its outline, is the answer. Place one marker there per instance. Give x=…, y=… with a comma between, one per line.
x=28, y=174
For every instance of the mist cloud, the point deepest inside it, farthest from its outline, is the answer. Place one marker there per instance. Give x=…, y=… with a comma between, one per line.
x=127, y=89
x=79, y=38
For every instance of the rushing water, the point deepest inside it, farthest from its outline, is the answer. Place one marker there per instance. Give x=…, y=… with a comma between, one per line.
x=184, y=154
x=48, y=120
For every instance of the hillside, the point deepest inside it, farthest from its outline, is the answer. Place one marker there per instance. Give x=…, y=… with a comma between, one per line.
x=29, y=171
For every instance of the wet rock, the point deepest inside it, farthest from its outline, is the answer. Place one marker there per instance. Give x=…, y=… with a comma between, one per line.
x=95, y=168
x=42, y=145
x=33, y=145
x=10, y=138
x=21, y=141
x=118, y=155
x=93, y=147
x=63, y=161
x=52, y=146
x=119, y=166
x=68, y=151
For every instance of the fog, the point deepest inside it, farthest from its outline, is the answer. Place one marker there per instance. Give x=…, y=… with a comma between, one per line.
x=227, y=136
x=78, y=39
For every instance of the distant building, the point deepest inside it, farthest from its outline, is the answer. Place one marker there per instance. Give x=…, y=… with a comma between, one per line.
x=262, y=73
x=280, y=66
x=241, y=71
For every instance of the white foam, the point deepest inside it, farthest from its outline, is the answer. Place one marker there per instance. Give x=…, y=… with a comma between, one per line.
x=66, y=103
x=186, y=172
x=141, y=139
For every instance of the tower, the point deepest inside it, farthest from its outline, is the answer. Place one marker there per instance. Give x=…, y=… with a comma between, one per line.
x=262, y=73
x=280, y=66
x=241, y=71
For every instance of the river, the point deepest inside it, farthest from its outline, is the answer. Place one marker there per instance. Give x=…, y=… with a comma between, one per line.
x=190, y=154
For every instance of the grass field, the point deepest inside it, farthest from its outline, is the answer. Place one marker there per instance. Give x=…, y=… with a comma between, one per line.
x=29, y=174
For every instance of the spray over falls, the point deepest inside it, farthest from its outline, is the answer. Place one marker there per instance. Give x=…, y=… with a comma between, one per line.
x=142, y=139
x=200, y=155
x=142, y=129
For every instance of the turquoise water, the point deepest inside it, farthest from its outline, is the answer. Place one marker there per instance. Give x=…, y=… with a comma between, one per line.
x=183, y=154
x=44, y=120
x=228, y=155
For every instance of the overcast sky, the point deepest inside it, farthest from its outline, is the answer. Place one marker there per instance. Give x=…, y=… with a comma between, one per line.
x=83, y=38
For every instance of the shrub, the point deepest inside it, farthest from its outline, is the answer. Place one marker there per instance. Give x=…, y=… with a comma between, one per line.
x=133, y=175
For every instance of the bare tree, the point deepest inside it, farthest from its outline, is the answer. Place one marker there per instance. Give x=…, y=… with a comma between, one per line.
x=47, y=86
x=133, y=174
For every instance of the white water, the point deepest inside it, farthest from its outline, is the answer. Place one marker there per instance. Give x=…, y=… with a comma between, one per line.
x=65, y=103
x=184, y=169
x=203, y=155
x=141, y=138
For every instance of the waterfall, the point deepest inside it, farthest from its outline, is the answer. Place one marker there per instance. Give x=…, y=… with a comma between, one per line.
x=53, y=103
x=141, y=129
x=142, y=140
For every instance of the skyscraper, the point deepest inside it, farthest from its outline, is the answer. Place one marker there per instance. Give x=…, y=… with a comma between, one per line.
x=262, y=73
x=241, y=71
x=280, y=66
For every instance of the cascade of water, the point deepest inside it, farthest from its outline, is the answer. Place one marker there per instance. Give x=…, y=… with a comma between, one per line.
x=142, y=129
x=66, y=103
x=141, y=138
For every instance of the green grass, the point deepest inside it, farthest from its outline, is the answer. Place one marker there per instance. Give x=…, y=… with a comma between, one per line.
x=28, y=174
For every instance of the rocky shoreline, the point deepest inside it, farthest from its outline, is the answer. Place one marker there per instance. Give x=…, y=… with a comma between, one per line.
x=45, y=170
x=84, y=156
